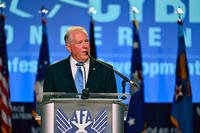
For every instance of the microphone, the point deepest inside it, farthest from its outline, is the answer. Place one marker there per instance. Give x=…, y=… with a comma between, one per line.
x=85, y=93
x=125, y=79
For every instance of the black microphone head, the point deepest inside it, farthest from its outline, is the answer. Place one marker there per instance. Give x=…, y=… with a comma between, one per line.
x=85, y=93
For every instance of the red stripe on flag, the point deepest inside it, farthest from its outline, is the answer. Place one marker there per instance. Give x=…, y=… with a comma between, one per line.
x=5, y=106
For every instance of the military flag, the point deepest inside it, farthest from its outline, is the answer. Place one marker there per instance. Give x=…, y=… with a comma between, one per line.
x=182, y=109
x=136, y=115
x=43, y=63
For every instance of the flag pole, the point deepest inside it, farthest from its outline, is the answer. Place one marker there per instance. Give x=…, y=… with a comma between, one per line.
x=134, y=11
x=43, y=11
x=2, y=6
x=179, y=11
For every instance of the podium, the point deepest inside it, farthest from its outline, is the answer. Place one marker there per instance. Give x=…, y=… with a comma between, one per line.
x=93, y=115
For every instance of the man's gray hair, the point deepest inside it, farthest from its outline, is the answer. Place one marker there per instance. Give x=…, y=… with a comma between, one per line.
x=72, y=29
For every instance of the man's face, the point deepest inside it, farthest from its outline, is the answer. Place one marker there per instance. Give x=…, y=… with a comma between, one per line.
x=79, y=46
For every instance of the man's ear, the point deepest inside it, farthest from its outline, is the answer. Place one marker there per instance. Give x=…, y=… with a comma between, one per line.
x=68, y=47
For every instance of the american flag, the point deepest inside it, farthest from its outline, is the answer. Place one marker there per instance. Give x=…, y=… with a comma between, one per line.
x=43, y=63
x=5, y=104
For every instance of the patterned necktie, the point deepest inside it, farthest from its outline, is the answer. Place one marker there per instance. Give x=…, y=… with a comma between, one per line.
x=79, y=77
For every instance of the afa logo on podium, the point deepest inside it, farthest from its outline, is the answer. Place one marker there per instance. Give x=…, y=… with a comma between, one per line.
x=81, y=121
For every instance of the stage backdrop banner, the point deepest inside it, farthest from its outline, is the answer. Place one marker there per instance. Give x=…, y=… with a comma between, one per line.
x=113, y=39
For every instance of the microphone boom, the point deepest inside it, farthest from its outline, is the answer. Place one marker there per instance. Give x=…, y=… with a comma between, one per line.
x=131, y=82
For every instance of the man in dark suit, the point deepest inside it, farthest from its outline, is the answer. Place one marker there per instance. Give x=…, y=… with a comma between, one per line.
x=60, y=77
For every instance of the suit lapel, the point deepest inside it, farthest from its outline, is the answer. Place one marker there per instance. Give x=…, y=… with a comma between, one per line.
x=92, y=73
x=69, y=76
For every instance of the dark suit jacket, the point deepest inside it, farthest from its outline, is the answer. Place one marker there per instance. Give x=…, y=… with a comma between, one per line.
x=59, y=78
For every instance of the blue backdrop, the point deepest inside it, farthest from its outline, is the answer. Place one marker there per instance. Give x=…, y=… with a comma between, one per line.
x=113, y=33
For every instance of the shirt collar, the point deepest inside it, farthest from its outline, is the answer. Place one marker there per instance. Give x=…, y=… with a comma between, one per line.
x=73, y=61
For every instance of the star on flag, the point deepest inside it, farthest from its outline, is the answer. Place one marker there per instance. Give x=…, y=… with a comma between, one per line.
x=178, y=92
x=131, y=122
